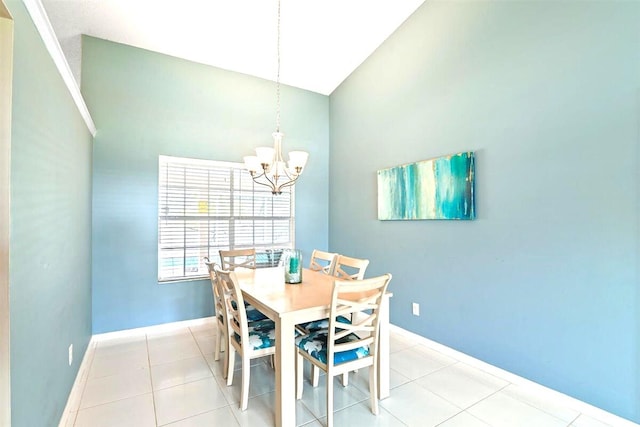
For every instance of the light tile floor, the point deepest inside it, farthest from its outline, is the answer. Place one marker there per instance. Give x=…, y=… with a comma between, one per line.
x=171, y=379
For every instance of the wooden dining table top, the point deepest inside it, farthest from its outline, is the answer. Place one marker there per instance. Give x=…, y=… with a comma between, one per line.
x=268, y=286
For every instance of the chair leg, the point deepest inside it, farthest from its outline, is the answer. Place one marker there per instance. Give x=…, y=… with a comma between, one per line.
x=226, y=356
x=345, y=379
x=299, y=370
x=216, y=356
x=329, y=400
x=246, y=372
x=231, y=360
x=315, y=375
x=373, y=388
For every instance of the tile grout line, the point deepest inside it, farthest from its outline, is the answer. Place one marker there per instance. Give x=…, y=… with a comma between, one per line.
x=153, y=394
x=214, y=376
x=543, y=410
x=567, y=401
x=575, y=419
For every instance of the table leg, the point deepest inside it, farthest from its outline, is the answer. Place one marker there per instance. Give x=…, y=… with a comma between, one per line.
x=285, y=373
x=384, y=350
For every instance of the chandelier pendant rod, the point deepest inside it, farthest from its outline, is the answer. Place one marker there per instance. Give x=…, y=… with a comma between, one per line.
x=267, y=167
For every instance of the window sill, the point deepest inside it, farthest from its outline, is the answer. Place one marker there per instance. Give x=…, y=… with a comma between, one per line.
x=182, y=279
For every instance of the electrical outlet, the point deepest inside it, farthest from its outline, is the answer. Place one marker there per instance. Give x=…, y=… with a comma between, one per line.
x=70, y=354
x=416, y=309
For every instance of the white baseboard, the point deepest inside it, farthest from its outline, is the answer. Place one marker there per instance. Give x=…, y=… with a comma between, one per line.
x=539, y=389
x=155, y=329
x=73, y=402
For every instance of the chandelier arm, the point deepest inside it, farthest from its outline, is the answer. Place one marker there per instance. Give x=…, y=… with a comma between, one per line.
x=270, y=185
x=288, y=183
x=255, y=177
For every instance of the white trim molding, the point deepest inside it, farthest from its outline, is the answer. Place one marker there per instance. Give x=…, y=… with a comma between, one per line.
x=546, y=393
x=73, y=402
x=6, y=85
x=533, y=387
x=43, y=25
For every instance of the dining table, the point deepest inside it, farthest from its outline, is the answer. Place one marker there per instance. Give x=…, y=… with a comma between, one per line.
x=291, y=304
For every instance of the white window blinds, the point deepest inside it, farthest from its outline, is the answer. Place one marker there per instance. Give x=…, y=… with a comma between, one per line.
x=205, y=206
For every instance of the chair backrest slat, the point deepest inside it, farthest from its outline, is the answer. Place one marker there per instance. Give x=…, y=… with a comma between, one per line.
x=232, y=259
x=348, y=268
x=323, y=261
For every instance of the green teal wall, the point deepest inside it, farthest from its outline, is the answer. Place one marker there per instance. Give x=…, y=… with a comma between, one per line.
x=544, y=283
x=146, y=104
x=50, y=260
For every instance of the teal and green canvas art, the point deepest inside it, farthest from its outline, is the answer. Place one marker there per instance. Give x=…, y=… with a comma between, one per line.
x=440, y=188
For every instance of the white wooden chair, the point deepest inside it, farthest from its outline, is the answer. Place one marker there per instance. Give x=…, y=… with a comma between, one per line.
x=218, y=302
x=346, y=347
x=241, y=258
x=232, y=259
x=250, y=340
x=323, y=261
x=346, y=268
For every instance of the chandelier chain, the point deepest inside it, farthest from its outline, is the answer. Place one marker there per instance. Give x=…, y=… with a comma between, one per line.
x=278, y=76
x=267, y=167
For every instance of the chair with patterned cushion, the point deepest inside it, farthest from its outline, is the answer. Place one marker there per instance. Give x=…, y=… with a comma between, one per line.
x=242, y=258
x=324, y=262
x=218, y=301
x=346, y=347
x=346, y=268
x=250, y=339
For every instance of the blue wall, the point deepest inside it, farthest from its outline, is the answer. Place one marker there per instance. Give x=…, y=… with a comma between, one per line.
x=545, y=282
x=50, y=260
x=147, y=104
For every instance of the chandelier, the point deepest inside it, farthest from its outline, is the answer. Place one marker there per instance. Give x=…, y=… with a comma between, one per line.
x=267, y=167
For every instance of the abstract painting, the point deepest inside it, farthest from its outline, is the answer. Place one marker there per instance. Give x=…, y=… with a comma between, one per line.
x=440, y=188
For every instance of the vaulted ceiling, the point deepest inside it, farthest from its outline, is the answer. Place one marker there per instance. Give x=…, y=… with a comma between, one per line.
x=322, y=41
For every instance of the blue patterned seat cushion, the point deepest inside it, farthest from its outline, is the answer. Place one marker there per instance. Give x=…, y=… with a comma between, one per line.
x=318, y=325
x=315, y=344
x=262, y=334
x=253, y=314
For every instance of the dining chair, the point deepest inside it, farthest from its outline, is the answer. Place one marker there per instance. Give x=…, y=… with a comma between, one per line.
x=234, y=258
x=243, y=258
x=250, y=339
x=346, y=347
x=323, y=261
x=218, y=302
x=348, y=268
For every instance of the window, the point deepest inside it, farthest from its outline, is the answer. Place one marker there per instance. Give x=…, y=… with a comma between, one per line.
x=205, y=206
